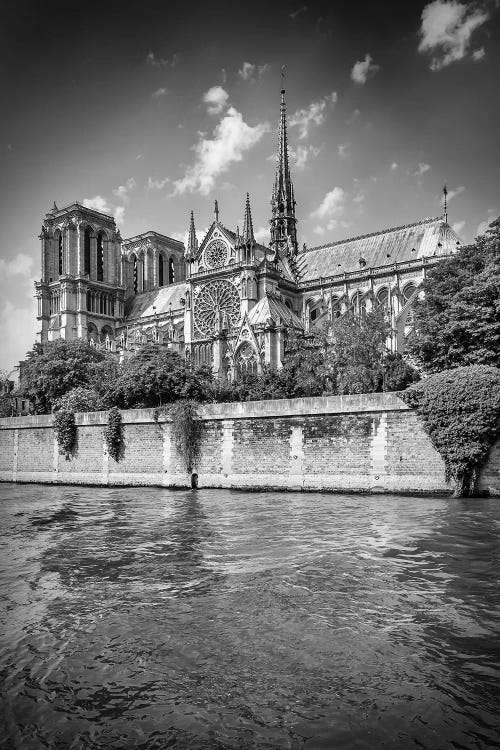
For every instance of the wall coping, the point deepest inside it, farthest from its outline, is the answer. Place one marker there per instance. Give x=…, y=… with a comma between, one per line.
x=286, y=407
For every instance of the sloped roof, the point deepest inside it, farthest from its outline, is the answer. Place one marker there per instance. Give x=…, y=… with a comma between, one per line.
x=271, y=307
x=427, y=238
x=141, y=306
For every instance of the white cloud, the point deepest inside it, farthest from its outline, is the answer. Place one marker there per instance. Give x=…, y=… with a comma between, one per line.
x=300, y=157
x=458, y=226
x=483, y=226
x=318, y=230
x=421, y=169
x=453, y=193
x=231, y=138
x=160, y=62
x=332, y=204
x=98, y=203
x=18, y=328
x=159, y=93
x=314, y=114
x=446, y=30
x=122, y=191
x=343, y=150
x=247, y=70
x=394, y=166
x=262, y=235
x=359, y=198
x=157, y=184
x=215, y=99
x=363, y=69
x=19, y=265
x=478, y=54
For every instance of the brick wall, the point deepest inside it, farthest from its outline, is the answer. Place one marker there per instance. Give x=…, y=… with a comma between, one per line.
x=370, y=443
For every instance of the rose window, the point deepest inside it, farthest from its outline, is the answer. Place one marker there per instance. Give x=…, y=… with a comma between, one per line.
x=216, y=254
x=216, y=304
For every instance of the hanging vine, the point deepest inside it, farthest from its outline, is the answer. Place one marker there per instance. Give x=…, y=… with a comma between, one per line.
x=186, y=431
x=113, y=434
x=66, y=433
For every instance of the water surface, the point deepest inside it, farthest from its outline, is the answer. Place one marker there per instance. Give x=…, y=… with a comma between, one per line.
x=149, y=618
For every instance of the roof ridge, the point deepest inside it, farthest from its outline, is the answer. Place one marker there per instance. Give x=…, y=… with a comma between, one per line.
x=370, y=234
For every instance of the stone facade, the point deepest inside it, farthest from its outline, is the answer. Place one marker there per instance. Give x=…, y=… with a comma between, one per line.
x=367, y=443
x=227, y=301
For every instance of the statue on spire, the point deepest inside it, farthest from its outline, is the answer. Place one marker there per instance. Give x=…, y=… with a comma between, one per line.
x=283, y=221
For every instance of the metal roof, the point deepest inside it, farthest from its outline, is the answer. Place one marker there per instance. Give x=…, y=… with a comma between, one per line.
x=164, y=299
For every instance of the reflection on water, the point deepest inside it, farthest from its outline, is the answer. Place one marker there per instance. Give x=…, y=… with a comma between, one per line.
x=148, y=618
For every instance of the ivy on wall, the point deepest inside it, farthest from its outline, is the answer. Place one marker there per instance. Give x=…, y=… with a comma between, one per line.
x=186, y=431
x=460, y=409
x=113, y=434
x=66, y=432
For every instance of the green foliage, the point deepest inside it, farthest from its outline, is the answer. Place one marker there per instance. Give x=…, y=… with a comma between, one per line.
x=156, y=376
x=461, y=413
x=457, y=323
x=79, y=399
x=186, y=431
x=66, y=432
x=55, y=368
x=113, y=434
x=5, y=406
x=398, y=373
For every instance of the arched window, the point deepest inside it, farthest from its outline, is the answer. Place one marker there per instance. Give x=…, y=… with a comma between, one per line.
x=335, y=307
x=100, y=257
x=89, y=302
x=160, y=270
x=383, y=298
x=135, y=280
x=86, y=251
x=60, y=253
x=408, y=291
x=171, y=271
x=246, y=361
x=358, y=304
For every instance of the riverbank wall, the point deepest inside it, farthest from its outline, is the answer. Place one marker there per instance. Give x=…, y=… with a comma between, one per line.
x=359, y=443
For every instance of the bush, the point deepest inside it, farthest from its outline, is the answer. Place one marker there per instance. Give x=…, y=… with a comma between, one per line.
x=113, y=434
x=78, y=399
x=66, y=433
x=461, y=413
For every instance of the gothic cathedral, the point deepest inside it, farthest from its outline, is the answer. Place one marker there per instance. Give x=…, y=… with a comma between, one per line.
x=228, y=301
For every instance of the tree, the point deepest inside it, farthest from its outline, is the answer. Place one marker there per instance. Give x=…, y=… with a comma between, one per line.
x=81, y=398
x=52, y=369
x=457, y=322
x=155, y=376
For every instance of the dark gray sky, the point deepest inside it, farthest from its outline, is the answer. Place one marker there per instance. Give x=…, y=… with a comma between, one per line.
x=148, y=111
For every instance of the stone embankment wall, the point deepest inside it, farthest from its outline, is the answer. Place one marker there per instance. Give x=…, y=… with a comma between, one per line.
x=366, y=443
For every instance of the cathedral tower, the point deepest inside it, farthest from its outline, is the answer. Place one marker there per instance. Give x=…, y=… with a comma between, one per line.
x=283, y=221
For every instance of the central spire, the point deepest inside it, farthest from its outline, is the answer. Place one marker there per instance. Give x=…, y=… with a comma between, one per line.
x=283, y=221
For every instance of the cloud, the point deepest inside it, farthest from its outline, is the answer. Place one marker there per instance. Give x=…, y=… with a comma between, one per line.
x=453, y=193
x=331, y=205
x=262, y=235
x=394, y=165
x=458, y=226
x=478, y=54
x=446, y=30
x=300, y=157
x=98, y=203
x=297, y=12
x=215, y=99
x=359, y=198
x=363, y=69
x=223, y=75
x=159, y=93
x=231, y=139
x=18, y=328
x=247, y=70
x=122, y=191
x=356, y=113
x=421, y=169
x=160, y=62
x=343, y=150
x=157, y=184
x=314, y=114
x=19, y=265
x=483, y=226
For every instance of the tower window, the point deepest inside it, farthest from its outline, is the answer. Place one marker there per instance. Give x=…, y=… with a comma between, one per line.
x=134, y=274
x=171, y=271
x=86, y=251
x=160, y=270
x=60, y=249
x=100, y=258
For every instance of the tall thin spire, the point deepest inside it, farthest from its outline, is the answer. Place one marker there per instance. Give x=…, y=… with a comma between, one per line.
x=283, y=221
x=445, y=197
x=216, y=212
x=192, y=244
x=248, y=235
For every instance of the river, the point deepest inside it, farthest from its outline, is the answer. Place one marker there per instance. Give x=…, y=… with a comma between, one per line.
x=150, y=618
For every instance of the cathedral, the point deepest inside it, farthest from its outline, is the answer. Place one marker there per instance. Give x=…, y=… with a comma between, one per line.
x=227, y=301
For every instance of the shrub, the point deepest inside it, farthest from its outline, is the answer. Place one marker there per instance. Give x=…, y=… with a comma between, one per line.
x=461, y=413
x=186, y=431
x=66, y=433
x=113, y=434
x=79, y=399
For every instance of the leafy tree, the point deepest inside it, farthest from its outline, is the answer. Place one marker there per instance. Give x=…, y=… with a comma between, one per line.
x=457, y=322
x=155, y=376
x=51, y=370
x=461, y=413
x=81, y=398
x=398, y=373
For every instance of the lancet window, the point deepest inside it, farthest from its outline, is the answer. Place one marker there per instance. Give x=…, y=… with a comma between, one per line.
x=171, y=271
x=86, y=251
x=100, y=257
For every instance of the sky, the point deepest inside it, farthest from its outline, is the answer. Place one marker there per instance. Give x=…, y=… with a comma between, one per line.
x=151, y=111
